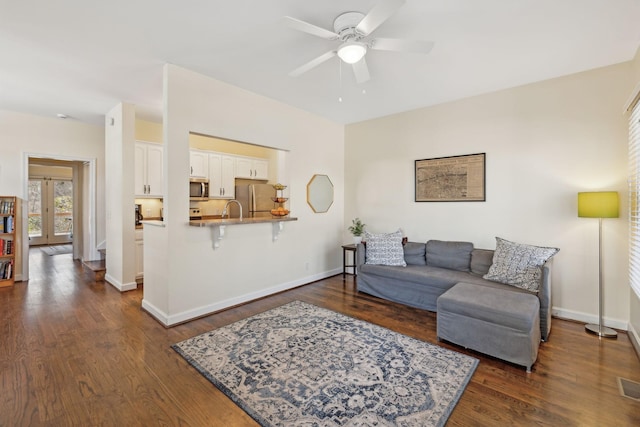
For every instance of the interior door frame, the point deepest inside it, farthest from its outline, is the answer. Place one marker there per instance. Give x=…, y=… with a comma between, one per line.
x=90, y=214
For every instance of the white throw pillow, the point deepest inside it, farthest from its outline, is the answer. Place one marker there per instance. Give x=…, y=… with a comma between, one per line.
x=518, y=264
x=384, y=249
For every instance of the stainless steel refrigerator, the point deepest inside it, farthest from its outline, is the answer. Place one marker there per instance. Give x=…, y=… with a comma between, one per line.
x=255, y=200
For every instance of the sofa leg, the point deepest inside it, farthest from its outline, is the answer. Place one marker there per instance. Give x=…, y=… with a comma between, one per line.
x=528, y=369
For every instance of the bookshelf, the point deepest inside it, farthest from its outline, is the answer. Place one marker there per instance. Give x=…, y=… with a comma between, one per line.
x=8, y=247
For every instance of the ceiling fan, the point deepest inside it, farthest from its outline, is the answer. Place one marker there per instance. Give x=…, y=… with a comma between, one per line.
x=353, y=29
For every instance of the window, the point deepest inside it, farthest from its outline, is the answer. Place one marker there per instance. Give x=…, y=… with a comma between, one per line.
x=634, y=199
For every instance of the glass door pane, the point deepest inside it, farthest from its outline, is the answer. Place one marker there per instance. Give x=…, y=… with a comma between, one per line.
x=62, y=209
x=50, y=211
x=37, y=221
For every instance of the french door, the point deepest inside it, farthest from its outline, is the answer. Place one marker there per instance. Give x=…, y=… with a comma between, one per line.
x=50, y=211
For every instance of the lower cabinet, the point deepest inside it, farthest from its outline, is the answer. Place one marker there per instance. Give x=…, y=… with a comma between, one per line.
x=139, y=255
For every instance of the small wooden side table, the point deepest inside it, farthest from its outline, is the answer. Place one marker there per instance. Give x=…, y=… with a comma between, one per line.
x=349, y=248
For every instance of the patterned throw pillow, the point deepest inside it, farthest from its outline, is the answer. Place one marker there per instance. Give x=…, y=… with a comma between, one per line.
x=518, y=265
x=385, y=249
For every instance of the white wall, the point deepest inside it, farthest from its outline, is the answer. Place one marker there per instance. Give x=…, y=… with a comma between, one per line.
x=184, y=276
x=119, y=177
x=544, y=142
x=48, y=138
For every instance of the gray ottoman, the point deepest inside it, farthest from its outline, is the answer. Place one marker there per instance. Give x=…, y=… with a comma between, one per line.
x=498, y=322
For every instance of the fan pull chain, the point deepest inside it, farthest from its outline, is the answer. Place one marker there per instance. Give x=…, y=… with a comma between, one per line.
x=340, y=87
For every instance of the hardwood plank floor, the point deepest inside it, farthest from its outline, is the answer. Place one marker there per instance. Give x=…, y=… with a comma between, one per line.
x=78, y=353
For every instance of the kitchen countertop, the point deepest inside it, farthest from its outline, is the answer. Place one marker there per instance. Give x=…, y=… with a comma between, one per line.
x=237, y=221
x=153, y=222
x=150, y=220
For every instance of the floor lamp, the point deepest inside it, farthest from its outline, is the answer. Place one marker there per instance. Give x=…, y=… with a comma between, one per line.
x=600, y=204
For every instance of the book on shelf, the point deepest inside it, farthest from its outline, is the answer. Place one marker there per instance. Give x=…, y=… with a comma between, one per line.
x=6, y=247
x=6, y=269
x=6, y=225
x=6, y=207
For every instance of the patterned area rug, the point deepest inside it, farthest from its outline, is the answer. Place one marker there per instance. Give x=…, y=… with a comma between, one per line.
x=301, y=365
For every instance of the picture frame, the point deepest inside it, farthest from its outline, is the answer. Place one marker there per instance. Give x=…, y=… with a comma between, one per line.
x=451, y=179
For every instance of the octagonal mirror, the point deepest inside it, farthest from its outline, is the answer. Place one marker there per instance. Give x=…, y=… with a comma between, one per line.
x=320, y=193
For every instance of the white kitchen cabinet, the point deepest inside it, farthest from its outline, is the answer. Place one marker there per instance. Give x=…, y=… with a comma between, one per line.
x=261, y=167
x=139, y=254
x=199, y=161
x=148, y=181
x=252, y=168
x=221, y=176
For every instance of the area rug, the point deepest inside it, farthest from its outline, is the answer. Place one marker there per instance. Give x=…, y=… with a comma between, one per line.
x=302, y=365
x=57, y=249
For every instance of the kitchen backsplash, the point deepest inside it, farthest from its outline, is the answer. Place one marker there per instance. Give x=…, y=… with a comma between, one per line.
x=150, y=207
x=210, y=207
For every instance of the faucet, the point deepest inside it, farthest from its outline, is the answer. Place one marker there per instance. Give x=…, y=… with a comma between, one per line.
x=224, y=211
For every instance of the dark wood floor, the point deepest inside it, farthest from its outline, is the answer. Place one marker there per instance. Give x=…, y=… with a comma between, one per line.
x=75, y=352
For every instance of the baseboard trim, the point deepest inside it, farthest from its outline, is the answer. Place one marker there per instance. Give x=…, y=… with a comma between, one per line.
x=122, y=287
x=579, y=316
x=635, y=339
x=155, y=312
x=169, y=320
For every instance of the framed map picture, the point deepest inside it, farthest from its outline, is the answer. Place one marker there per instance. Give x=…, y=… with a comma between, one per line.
x=451, y=179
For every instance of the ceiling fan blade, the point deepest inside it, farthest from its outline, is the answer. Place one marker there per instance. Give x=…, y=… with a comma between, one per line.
x=361, y=71
x=305, y=27
x=380, y=13
x=400, y=45
x=313, y=63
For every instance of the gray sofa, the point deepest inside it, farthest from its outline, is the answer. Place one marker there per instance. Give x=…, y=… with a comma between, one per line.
x=435, y=267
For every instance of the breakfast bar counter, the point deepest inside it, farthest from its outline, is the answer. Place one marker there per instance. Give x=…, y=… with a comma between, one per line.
x=216, y=222
x=218, y=225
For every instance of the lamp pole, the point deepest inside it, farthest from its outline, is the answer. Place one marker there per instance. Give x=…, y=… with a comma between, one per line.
x=600, y=329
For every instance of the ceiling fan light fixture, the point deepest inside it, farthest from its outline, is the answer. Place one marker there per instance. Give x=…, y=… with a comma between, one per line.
x=352, y=52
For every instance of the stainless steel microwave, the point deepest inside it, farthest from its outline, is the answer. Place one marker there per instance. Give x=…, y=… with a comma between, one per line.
x=198, y=189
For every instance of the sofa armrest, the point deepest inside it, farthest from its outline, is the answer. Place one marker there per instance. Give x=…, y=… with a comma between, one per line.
x=544, y=295
x=360, y=255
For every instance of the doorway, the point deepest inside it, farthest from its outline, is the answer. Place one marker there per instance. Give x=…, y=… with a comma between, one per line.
x=83, y=230
x=50, y=216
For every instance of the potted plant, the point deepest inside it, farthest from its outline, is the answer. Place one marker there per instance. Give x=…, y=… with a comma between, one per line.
x=356, y=228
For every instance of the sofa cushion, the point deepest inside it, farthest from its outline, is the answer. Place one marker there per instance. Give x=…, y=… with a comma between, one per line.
x=481, y=260
x=424, y=275
x=495, y=306
x=385, y=249
x=518, y=264
x=414, y=253
x=451, y=255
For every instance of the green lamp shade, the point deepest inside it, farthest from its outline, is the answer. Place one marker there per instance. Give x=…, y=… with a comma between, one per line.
x=598, y=204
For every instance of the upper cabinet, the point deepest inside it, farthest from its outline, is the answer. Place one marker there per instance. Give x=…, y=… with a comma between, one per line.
x=221, y=169
x=199, y=161
x=148, y=179
x=221, y=176
x=252, y=168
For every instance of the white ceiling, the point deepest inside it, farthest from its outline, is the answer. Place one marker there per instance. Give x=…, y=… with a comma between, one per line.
x=81, y=58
